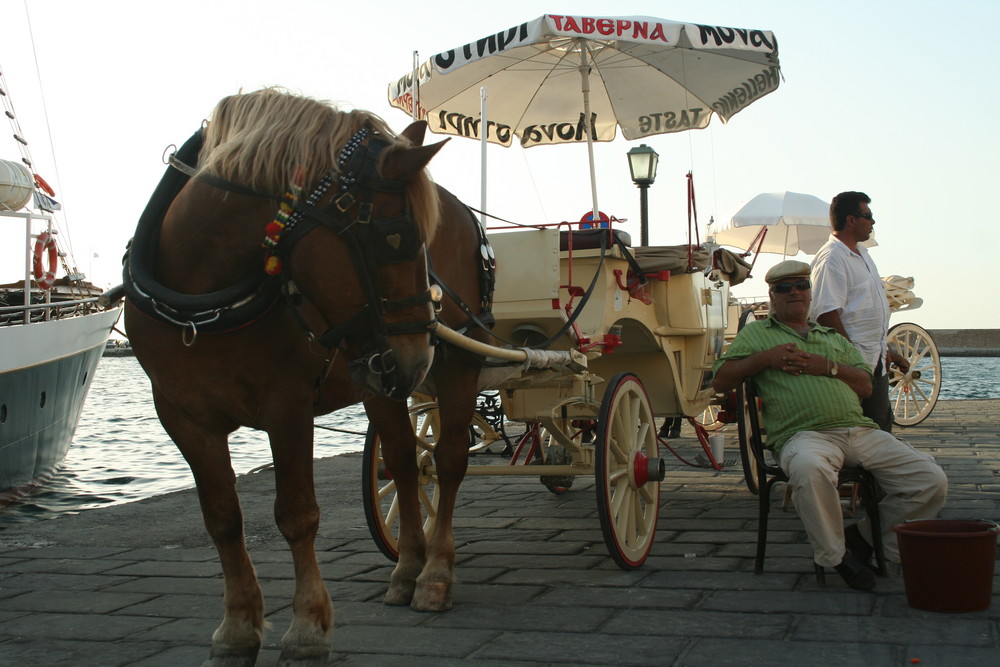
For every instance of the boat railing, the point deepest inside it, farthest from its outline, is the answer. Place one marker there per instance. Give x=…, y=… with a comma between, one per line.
x=41, y=312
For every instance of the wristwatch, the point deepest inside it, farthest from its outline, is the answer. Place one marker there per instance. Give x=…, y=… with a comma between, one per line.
x=833, y=370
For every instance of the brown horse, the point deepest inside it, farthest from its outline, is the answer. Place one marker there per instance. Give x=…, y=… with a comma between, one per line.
x=227, y=345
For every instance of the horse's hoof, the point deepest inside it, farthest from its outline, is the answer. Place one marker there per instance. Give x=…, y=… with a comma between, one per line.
x=399, y=595
x=434, y=596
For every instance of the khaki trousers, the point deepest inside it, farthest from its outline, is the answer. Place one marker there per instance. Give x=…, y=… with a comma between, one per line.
x=915, y=486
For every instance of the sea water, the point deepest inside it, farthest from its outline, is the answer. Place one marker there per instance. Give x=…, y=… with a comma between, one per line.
x=121, y=453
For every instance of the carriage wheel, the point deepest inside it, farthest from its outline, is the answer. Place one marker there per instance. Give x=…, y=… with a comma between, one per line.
x=747, y=458
x=628, y=470
x=379, y=489
x=709, y=418
x=912, y=395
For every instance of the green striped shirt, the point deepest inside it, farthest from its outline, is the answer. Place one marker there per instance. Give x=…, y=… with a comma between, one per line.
x=793, y=403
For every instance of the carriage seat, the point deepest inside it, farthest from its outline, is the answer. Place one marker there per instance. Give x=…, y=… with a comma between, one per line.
x=674, y=259
x=590, y=239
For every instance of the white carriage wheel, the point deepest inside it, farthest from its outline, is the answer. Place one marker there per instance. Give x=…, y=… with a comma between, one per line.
x=379, y=495
x=628, y=471
x=913, y=394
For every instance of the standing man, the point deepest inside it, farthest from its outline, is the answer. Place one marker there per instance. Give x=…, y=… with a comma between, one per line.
x=809, y=379
x=849, y=297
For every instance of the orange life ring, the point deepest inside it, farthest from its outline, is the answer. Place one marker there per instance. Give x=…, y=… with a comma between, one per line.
x=40, y=182
x=46, y=242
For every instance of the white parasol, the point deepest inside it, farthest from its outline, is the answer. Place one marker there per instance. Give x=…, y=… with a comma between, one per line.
x=546, y=76
x=793, y=222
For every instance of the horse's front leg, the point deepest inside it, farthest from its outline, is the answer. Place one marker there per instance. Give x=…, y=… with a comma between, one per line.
x=399, y=447
x=236, y=642
x=451, y=457
x=308, y=640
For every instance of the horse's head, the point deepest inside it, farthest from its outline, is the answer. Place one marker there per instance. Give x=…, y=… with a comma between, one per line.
x=383, y=313
x=351, y=246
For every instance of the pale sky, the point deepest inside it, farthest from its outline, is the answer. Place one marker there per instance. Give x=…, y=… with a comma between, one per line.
x=893, y=98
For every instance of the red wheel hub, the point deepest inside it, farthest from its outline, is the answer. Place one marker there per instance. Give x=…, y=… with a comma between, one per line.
x=645, y=469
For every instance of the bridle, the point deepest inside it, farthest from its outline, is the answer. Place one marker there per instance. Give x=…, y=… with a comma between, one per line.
x=373, y=242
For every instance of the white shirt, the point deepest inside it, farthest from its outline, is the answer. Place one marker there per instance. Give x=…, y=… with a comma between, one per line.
x=849, y=283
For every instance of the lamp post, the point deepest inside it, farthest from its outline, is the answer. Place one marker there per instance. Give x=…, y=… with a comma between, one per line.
x=642, y=164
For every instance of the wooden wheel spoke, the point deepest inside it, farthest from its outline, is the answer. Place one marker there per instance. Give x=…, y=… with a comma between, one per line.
x=392, y=516
x=646, y=492
x=385, y=491
x=426, y=501
x=615, y=475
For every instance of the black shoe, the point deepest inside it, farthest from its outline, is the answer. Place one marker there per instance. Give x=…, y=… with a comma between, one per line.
x=858, y=546
x=675, y=433
x=855, y=574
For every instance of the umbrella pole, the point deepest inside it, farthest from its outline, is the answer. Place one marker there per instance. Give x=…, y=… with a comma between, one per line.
x=415, y=88
x=588, y=127
x=483, y=131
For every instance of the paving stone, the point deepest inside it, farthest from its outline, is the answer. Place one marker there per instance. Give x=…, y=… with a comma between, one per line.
x=553, y=648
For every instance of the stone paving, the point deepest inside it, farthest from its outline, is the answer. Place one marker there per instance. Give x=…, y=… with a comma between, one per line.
x=139, y=584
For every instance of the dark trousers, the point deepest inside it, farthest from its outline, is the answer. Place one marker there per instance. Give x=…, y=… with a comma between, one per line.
x=876, y=407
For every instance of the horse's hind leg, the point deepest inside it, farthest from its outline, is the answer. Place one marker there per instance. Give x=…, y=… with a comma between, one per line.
x=236, y=642
x=308, y=640
x=399, y=447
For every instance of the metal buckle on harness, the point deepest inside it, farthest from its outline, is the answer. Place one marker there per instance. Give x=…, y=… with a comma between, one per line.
x=344, y=202
x=364, y=213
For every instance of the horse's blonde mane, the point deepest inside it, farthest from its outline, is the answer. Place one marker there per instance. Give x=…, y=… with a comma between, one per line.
x=261, y=139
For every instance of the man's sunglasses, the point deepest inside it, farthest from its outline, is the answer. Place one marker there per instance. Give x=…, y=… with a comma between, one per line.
x=785, y=288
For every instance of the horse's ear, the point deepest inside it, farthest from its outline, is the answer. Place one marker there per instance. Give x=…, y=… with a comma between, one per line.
x=408, y=161
x=415, y=132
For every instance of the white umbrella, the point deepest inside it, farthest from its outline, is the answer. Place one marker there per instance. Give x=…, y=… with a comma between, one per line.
x=793, y=222
x=546, y=76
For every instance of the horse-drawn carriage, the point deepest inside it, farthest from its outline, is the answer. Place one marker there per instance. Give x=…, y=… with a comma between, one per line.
x=655, y=312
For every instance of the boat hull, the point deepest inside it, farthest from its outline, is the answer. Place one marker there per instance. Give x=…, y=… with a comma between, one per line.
x=46, y=370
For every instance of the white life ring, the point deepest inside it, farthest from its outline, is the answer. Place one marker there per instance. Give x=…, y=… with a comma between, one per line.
x=45, y=244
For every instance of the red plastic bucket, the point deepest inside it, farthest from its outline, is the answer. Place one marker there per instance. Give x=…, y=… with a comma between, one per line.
x=948, y=564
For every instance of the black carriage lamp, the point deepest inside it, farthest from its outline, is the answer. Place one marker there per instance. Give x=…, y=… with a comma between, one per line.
x=642, y=162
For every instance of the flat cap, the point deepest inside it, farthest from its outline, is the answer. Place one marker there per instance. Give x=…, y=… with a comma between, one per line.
x=788, y=269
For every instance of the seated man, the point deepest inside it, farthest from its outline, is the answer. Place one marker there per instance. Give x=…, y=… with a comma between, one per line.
x=811, y=380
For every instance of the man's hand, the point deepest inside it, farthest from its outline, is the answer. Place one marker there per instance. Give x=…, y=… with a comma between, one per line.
x=787, y=358
x=899, y=361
